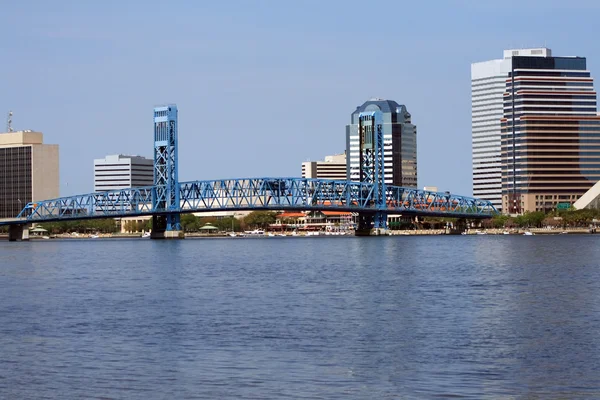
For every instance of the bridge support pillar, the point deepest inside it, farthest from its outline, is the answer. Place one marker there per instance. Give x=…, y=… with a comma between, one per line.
x=371, y=224
x=17, y=233
x=161, y=228
x=458, y=227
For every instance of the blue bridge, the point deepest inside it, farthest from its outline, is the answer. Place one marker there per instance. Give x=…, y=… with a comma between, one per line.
x=370, y=198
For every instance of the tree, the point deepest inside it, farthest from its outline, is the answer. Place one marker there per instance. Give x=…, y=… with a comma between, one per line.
x=189, y=222
x=260, y=219
x=499, y=221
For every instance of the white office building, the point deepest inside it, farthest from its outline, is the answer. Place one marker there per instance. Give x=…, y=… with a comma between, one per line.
x=333, y=167
x=115, y=172
x=488, y=85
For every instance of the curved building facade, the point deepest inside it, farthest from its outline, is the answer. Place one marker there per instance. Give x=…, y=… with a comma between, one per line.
x=399, y=140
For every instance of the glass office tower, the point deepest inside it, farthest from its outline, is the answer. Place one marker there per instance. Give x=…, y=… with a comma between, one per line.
x=399, y=140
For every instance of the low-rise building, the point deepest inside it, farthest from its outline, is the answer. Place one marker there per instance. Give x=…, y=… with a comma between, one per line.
x=333, y=167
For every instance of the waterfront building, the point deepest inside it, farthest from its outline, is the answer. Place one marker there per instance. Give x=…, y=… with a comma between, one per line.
x=333, y=167
x=488, y=85
x=399, y=140
x=550, y=133
x=28, y=171
x=115, y=172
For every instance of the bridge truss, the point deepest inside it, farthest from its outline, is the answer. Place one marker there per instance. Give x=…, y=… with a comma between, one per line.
x=258, y=194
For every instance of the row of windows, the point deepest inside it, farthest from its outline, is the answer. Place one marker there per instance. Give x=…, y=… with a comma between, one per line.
x=548, y=83
x=528, y=108
x=551, y=73
x=15, y=180
x=548, y=102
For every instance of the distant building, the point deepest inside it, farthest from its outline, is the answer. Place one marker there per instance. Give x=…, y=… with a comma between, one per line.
x=115, y=172
x=28, y=171
x=333, y=167
x=399, y=140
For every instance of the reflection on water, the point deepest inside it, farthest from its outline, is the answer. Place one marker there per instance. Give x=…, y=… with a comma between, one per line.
x=335, y=318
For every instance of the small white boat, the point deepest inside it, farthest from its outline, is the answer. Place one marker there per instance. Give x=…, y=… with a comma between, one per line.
x=270, y=234
x=506, y=233
x=528, y=234
x=146, y=235
x=94, y=236
x=232, y=235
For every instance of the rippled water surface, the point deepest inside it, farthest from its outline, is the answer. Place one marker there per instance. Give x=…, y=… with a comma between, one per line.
x=303, y=318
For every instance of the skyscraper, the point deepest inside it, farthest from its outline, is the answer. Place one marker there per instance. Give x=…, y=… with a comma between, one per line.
x=399, y=140
x=488, y=85
x=550, y=133
x=28, y=171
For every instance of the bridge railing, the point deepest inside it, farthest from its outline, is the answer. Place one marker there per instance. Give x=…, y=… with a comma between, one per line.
x=131, y=201
x=407, y=200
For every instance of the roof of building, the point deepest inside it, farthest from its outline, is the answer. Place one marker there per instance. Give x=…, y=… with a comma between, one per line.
x=336, y=213
x=291, y=215
x=386, y=106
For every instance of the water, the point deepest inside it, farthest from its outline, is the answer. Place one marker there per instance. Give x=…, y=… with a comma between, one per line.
x=305, y=318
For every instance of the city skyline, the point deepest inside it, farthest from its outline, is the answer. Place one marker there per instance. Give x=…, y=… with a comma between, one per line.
x=89, y=88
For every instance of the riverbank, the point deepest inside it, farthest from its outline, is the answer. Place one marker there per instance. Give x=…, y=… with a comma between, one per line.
x=417, y=232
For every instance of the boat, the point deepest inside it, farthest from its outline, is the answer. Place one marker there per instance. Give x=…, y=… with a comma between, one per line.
x=528, y=234
x=270, y=234
x=146, y=235
x=506, y=233
x=94, y=236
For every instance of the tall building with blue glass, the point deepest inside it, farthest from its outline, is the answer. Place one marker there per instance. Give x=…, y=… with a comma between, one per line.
x=399, y=140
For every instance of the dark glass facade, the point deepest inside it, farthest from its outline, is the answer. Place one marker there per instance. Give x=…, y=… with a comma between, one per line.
x=400, y=143
x=15, y=180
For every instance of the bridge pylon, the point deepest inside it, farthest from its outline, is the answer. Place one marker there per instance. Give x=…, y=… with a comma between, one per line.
x=165, y=195
x=370, y=134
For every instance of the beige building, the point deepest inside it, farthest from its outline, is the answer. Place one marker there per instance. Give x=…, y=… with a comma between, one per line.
x=333, y=167
x=28, y=171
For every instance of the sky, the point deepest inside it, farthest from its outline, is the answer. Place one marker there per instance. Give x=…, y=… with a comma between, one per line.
x=263, y=85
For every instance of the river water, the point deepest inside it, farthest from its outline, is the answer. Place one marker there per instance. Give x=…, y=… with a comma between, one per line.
x=472, y=317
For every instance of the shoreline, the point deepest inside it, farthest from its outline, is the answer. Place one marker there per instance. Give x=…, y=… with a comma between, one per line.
x=418, y=232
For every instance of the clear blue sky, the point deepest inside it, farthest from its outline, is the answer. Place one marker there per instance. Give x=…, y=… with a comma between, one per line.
x=263, y=85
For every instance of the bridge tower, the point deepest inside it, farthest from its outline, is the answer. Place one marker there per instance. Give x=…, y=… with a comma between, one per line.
x=370, y=129
x=166, y=193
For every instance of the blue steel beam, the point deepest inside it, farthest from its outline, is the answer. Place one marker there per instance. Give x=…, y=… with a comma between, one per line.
x=166, y=180
x=257, y=194
x=371, y=168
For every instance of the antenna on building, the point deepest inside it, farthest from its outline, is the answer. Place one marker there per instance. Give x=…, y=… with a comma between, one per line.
x=9, y=122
